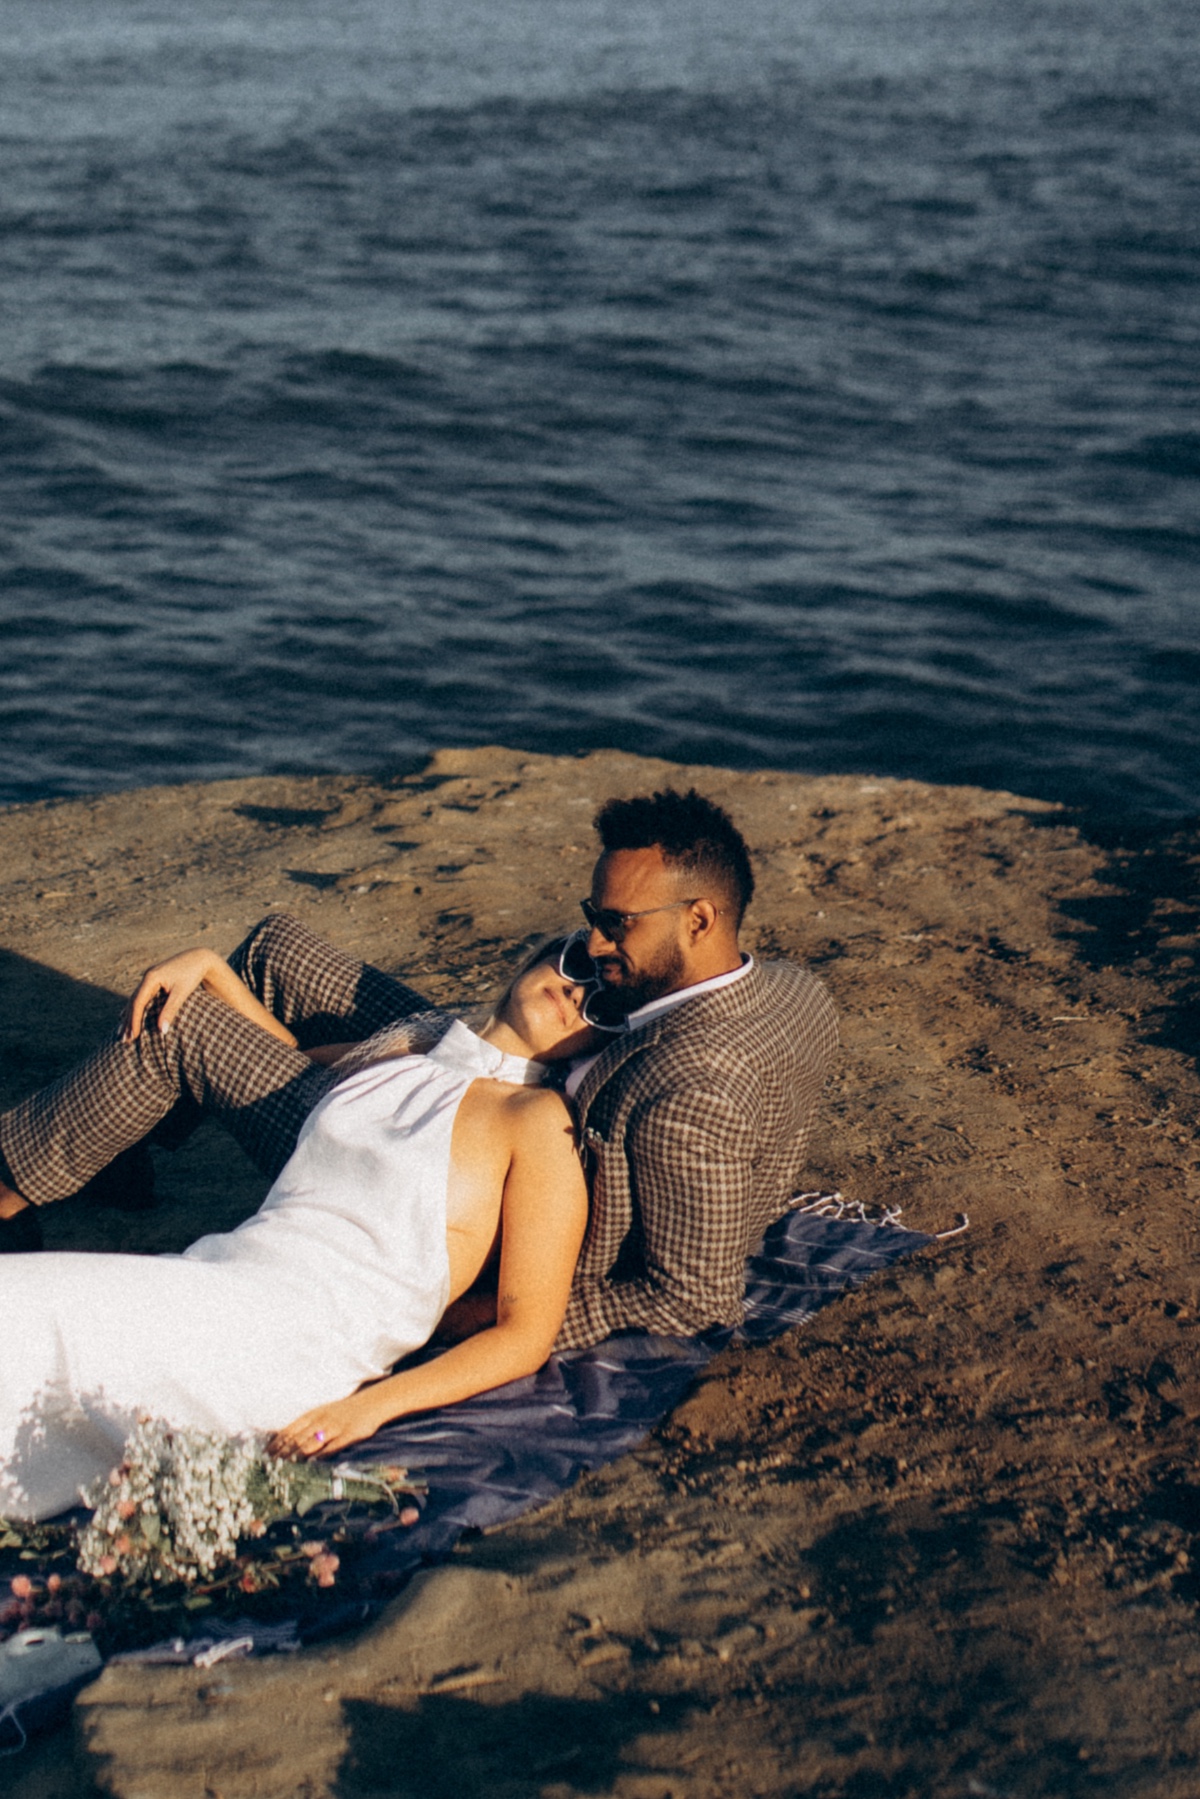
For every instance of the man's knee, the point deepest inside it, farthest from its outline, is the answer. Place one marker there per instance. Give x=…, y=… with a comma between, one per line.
x=272, y=948
x=271, y=937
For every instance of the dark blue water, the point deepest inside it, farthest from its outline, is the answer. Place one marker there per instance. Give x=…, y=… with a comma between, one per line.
x=810, y=385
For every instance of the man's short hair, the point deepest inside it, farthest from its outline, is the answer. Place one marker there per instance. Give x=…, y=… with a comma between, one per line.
x=695, y=835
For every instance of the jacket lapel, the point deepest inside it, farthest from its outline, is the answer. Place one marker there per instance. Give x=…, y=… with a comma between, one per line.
x=615, y=1056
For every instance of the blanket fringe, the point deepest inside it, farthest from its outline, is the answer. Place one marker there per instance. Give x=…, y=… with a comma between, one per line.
x=835, y=1205
x=9, y=1716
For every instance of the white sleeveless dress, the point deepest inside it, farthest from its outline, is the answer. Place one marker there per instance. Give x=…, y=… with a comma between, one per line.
x=341, y=1272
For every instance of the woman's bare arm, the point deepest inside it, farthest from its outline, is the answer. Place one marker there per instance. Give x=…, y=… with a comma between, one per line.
x=329, y=1054
x=543, y=1219
x=179, y=977
x=474, y=1311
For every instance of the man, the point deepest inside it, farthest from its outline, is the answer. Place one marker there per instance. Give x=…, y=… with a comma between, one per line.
x=695, y=1120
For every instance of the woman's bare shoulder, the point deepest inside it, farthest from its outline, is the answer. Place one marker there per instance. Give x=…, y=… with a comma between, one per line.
x=527, y=1108
x=541, y=1102
x=539, y=1112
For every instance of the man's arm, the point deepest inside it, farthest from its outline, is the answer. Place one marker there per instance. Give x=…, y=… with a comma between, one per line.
x=692, y=1152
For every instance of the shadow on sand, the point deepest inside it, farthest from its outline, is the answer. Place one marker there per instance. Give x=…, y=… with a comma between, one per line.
x=450, y=1747
x=1148, y=923
x=48, y=1021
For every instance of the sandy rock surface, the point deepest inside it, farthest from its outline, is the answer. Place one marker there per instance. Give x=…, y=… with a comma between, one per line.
x=943, y=1542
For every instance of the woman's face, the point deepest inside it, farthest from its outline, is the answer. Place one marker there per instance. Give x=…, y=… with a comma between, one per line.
x=543, y=1011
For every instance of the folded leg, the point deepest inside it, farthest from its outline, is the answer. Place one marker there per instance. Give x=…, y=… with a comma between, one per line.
x=218, y=1062
x=322, y=994
x=212, y=1062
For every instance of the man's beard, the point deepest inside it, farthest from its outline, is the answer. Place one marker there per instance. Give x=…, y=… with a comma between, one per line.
x=663, y=976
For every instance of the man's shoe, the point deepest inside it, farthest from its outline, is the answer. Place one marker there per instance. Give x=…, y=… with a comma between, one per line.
x=20, y=1234
x=126, y=1185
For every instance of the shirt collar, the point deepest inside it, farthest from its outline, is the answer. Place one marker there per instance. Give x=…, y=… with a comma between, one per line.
x=667, y=1002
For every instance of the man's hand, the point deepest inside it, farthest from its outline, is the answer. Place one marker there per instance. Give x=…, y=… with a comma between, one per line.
x=178, y=978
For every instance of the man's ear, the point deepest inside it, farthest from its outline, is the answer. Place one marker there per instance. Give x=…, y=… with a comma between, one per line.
x=702, y=919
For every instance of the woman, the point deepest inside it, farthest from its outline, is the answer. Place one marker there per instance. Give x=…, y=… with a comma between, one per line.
x=405, y=1178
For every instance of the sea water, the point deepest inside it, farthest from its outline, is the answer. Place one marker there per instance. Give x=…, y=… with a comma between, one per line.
x=803, y=383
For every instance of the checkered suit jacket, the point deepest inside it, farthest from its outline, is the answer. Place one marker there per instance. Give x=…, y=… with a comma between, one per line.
x=695, y=1129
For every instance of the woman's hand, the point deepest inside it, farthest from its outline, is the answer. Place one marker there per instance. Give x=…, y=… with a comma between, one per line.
x=178, y=978
x=328, y=1429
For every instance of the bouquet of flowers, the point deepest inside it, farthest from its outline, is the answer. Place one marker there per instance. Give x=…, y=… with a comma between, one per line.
x=181, y=1502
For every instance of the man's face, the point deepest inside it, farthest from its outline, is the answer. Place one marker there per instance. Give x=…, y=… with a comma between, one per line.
x=652, y=959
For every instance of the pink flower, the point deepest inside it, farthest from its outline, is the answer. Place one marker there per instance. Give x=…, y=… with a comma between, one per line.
x=311, y=1549
x=108, y=1564
x=324, y=1569
x=123, y=1544
x=410, y=1515
x=53, y=1582
x=22, y=1587
x=127, y=1508
x=248, y=1583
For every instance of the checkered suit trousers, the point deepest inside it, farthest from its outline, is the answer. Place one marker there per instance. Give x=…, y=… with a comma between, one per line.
x=212, y=1062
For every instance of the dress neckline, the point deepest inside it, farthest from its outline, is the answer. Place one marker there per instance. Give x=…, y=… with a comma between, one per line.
x=461, y=1048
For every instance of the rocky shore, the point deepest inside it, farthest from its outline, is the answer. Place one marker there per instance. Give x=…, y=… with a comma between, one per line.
x=943, y=1542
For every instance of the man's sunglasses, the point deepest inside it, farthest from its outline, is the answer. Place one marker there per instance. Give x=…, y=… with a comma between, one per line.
x=600, y=1007
x=614, y=926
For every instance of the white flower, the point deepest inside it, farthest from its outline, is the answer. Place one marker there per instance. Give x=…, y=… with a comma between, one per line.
x=182, y=1500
